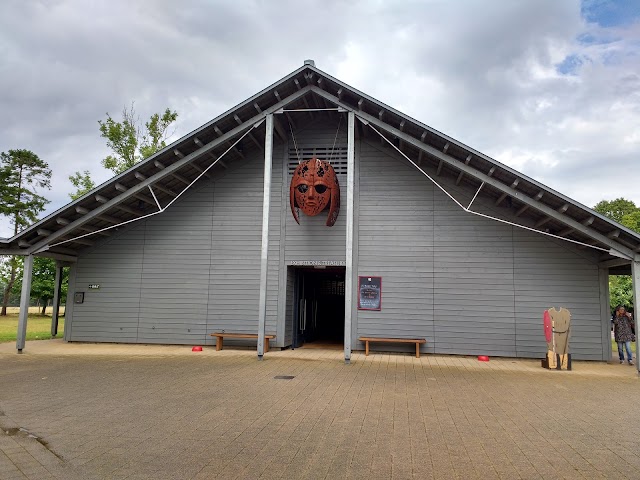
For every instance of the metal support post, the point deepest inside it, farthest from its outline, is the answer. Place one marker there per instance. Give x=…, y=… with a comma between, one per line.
x=264, y=255
x=56, y=299
x=635, y=275
x=24, y=302
x=348, y=279
x=605, y=313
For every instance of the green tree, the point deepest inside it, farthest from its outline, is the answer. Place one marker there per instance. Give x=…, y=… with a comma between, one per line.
x=620, y=290
x=628, y=214
x=23, y=174
x=616, y=209
x=82, y=182
x=44, y=279
x=129, y=142
x=632, y=220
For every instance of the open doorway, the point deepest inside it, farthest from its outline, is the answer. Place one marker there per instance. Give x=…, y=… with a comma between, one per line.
x=318, y=307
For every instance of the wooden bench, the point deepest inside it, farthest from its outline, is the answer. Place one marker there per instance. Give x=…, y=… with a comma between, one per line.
x=417, y=341
x=219, y=338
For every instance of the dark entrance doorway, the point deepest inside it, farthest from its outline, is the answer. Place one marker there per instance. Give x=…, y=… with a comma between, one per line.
x=319, y=307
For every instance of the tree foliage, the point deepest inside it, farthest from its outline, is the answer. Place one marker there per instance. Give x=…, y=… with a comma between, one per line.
x=620, y=290
x=632, y=220
x=616, y=209
x=82, y=182
x=628, y=214
x=22, y=175
x=129, y=142
x=43, y=281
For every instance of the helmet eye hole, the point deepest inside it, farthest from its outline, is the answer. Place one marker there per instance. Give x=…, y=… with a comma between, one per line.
x=321, y=188
x=303, y=188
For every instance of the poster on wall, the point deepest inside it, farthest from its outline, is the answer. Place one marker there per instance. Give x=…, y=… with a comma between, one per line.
x=369, y=293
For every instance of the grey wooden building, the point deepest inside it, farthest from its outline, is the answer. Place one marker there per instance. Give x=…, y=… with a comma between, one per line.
x=200, y=238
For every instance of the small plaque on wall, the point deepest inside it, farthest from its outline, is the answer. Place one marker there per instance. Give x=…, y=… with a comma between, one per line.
x=369, y=293
x=94, y=286
x=78, y=297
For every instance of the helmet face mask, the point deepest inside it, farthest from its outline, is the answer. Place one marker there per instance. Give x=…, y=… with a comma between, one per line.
x=314, y=186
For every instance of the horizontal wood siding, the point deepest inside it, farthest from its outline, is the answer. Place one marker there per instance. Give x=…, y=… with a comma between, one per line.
x=110, y=314
x=234, y=280
x=395, y=241
x=273, y=270
x=467, y=284
x=312, y=239
x=175, y=276
x=479, y=286
x=473, y=294
x=548, y=274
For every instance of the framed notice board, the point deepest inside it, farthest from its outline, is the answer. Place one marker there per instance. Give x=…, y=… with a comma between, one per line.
x=369, y=293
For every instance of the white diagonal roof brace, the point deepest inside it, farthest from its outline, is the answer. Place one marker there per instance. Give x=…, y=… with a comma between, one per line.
x=466, y=209
x=161, y=209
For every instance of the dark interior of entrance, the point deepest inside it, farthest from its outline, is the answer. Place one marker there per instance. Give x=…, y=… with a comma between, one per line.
x=319, y=307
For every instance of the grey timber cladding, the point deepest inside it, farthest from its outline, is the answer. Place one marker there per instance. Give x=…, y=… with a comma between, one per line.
x=192, y=270
x=312, y=239
x=111, y=313
x=395, y=241
x=467, y=284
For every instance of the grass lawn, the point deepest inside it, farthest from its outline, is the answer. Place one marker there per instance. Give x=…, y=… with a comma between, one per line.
x=38, y=326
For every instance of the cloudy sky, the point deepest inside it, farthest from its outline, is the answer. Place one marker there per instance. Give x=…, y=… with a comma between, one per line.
x=551, y=88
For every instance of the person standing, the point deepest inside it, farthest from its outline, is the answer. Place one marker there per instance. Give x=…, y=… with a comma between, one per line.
x=623, y=332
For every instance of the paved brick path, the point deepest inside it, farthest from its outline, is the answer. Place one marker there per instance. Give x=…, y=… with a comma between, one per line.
x=127, y=411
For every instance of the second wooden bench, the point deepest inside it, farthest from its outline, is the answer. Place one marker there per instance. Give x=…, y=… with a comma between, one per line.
x=417, y=341
x=220, y=336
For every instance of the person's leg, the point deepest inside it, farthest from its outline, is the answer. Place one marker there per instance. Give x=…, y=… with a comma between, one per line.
x=628, y=348
x=620, y=352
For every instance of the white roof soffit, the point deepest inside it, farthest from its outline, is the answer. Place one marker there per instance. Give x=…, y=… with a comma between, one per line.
x=166, y=170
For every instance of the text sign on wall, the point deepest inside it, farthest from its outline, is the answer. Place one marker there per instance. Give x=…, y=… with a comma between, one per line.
x=369, y=293
x=94, y=286
x=315, y=263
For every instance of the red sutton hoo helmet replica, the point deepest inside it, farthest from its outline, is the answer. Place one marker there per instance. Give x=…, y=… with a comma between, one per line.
x=314, y=186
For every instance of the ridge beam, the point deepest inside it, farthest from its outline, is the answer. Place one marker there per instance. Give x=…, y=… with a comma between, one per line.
x=525, y=207
x=251, y=137
x=544, y=220
x=179, y=154
x=124, y=208
x=103, y=216
x=505, y=194
x=220, y=134
x=122, y=188
x=466, y=162
x=420, y=152
x=177, y=176
x=304, y=100
x=199, y=143
x=168, y=191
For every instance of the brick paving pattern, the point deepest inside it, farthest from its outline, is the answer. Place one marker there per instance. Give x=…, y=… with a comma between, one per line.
x=156, y=412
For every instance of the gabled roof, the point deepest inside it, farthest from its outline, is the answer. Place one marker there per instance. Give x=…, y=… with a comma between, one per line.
x=159, y=179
